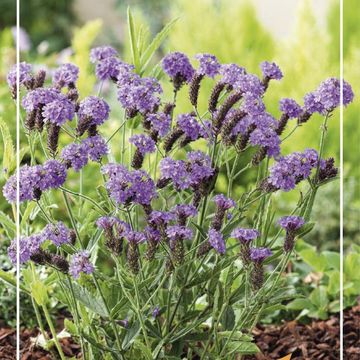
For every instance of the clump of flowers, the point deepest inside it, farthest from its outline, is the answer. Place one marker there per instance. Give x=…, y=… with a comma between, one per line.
x=153, y=240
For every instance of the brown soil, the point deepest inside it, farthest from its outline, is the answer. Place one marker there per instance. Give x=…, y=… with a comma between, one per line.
x=318, y=340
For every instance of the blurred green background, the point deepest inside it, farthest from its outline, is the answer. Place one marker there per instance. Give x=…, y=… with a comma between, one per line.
x=302, y=36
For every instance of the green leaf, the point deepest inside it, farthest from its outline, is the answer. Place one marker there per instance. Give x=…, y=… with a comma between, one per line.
x=299, y=304
x=9, y=152
x=8, y=225
x=92, y=302
x=29, y=208
x=145, y=352
x=155, y=44
x=133, y=41
x=228, y=318
x=314, y=259
x=241, y=348
x=333, y=259
x=333, y=287
x=305, y=229
x=39, y=292
x=319, y=298
x=131, y=334
x=70, y=327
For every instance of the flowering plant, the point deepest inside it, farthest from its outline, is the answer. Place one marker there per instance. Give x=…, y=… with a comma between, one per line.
x=157, y=263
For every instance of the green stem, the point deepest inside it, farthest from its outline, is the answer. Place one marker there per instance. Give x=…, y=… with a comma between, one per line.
x=53, y=332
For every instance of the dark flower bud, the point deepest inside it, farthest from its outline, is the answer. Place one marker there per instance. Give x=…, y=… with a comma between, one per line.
x=196, y=199
x=259, y=156
x=171, y=138
x=327, y=170
x=39, y=79
x=60, y=263
x=194, y=88
x=131, y=113
x=53, y=132
x=304, y=117
x=83, y=124
x=73, y=95
x=37, y=194
x=267, y=187
x=39, y=119
x=92, y=130
x=204, y=248
x=214, y=96
x=230, y=101
x=72, y=236
x=132, y=255
x=168, y=108
x=169, y=266
x=243, y=140
x=30, y=120
x=185, y=140
x=257, y=276
x=137, y=159
x=161, y=183
x=41, y=257
x=282, y=123
x=231, y=123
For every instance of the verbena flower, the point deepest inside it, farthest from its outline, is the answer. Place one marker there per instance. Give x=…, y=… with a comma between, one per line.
x=95, y=147
x=290, y=107
x=65, y=75
x=293, y=168
x=101, y=53
x=160, y=218
x=160, y=122
x=80, y=263
x=252, y=104
x=267, y=138
x=25, y=75
x=183, y=212
x=95, y=109
x=110, y=68
x=176, y=171
x=53, y=175
x=28, y=247
x=245, y=236
x=222, y=205
x=38, y=97
x=75, y=156
x=216, y=240
x=177, y=66
x=143, y=143
x=57, y=233
x=153, y=238
x=291, y=224
x=59, y=111
x=189, y=125
x=257, y=256
x=209, y=65
x=231, y=73
x=250, y=83
x=260, y=254
x=271, y=70
x=177, y=234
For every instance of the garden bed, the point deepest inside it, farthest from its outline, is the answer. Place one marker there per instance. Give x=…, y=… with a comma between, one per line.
x=318, y=340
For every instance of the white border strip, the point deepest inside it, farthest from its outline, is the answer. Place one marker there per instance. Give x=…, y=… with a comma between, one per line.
x=341, y=184
x=17, y=179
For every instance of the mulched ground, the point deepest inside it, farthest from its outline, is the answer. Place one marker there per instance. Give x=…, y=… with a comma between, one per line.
x=316, y=341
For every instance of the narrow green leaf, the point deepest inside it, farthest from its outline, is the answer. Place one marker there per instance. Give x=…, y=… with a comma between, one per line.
x=155, y=44
x=9, y=152
x=8, y=225
x=133, y=41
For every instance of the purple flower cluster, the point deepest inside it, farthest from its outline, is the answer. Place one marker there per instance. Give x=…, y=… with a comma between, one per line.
x=160, y=122
x=271, y=70
x=290, y=107
x=80, y=263
x=245, y=236
x=216, y=240
x=291, y=223
x=126, y=186
x=258, y=255
x=177, y=66
x=101, y=53
x=291, y=169
x=28, y=247
x=57, y=233
x=25, y=75
x=38, y=97
x=65, y=75
x=95, y=147
x=231, y=74
x=59, y=111
x=209, y=65
x=95, y=109
x=176, y=232
x=223, y=202
x=144, y=143
x=189, y=125
x=35, y=178
x=327, y=97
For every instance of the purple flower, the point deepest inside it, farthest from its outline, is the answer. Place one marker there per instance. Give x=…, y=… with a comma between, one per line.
x=144, y=143
x=75, y=156
x=106, y=222
x=80, y=263
x=135, y=237
x=110, y=68
x=250, y=83
x=253, y=105
x=271, y=70
x=291, y=223
x=65, y=75
x=138, y=94
x=38, y=97
x=217, y=241
x=199, y=167
x=94, y=108
x=160, y=218
x=160, y=122
x=348, y=94
x=152, y=235
x=184, y=210
x=53, y=175
x=57, y=233
x=291, y=169
x=176, y=171
x=24, y=74
x=28, y=247
x=209, y=65
x=156, y=312
x=177, y=66
x=189, y=125
x=59, y=111
x=258, y=255
x=102, y=52
x=267, y=138
x=231, y=73
x=95, y=147
x=223, y=202
x=245, y=236
x=176, y=232
x=290, y=107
